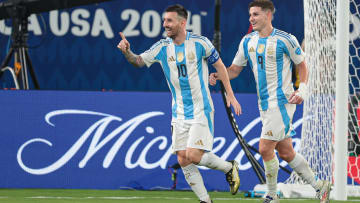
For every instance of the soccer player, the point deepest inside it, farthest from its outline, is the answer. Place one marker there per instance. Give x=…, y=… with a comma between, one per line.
x=270, y=53
x=184, y=58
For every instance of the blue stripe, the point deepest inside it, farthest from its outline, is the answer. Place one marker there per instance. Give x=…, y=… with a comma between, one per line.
x=200, y=52
x=280, y=49
x=262, y=83
x=162, y=56
x=245, y=47
x=246, y=53
x=285, y=118
x=187, y=35
x=286, y=36
x=184, y=83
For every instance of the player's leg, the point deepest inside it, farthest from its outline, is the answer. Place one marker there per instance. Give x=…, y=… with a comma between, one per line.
x=270, y=135
x=301, y=167
x=211, y=160
x=297, y=161
x=199, y=152
x=271, y=165
x=180, y=135
x=193, y=177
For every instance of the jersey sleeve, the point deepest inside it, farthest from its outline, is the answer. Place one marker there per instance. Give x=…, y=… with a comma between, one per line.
x=296, y=54
x=211, y=53
x=152, y=55
x=240, y=59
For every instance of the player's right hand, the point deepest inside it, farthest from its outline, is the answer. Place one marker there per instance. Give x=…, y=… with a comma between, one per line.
x=212, y=78
x=123, y=45
x=231, y=100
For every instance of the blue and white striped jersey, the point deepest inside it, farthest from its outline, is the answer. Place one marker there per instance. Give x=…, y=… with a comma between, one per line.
x=186, y=70
x=271, y=59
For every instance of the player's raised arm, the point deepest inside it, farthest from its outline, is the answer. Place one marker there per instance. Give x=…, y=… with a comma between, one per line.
x=132, y=58
x=224, y=77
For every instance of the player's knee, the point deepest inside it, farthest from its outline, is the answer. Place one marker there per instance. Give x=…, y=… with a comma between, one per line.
x=287, y=156
x=264, y=152
x=193, y=156
x=182, y=159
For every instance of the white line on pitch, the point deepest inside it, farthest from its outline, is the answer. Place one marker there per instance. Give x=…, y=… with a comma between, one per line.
x=169, y=198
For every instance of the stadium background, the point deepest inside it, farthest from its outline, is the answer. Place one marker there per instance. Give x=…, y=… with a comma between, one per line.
x=75, y=54
x=79, y=53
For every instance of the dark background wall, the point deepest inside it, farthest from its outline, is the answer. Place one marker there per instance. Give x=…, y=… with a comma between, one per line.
x=76, y=48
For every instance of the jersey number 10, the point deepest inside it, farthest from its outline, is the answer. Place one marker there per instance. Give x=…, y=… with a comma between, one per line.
x=182, y=71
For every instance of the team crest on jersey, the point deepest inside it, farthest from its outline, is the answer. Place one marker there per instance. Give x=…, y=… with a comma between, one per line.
x=191, y=56
x=261, y=48
x=251, y=49
x=180, y=56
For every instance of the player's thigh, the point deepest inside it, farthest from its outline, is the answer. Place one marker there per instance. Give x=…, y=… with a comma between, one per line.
x=277, y=122
x=201, y=136
x=180, y=135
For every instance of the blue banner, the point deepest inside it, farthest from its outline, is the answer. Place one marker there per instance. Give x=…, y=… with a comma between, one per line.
x=76, y=49
x=111, y=140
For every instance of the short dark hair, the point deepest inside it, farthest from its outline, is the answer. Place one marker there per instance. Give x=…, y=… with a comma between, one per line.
x=263, y=4
x=179, y=9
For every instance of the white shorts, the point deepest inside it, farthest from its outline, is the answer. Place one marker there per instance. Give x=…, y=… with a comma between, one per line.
x=277, y=122
x=190, y=134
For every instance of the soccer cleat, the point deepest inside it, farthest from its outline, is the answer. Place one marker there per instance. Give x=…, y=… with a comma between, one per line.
x=232, y=177
x=271, y=199
x=205, y=202
x=323, y=194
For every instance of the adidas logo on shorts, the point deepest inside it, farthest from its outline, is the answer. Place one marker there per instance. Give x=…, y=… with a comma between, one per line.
x=199, y=142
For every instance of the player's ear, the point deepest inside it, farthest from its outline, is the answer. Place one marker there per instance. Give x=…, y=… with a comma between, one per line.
x=269, y=13
x=183, y=21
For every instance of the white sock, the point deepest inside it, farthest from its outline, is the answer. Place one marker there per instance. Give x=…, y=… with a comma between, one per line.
x=302, y=168
x=212, y=161
x=194, y=179
x=271, y=173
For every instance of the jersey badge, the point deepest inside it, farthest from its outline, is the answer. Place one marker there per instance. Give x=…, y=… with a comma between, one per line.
x=180, y=56
x=261, y=48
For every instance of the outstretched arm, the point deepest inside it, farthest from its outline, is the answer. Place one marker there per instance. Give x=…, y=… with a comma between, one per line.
x=233, y=71
x=132, y=58
x=222, y=75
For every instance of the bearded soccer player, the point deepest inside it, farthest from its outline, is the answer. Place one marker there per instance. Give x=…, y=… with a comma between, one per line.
x=184, y=58
x=270, y=53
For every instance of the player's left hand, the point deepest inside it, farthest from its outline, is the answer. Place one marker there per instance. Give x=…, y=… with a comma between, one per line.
x=295, y=98
x=212, y=78
x=232, y=100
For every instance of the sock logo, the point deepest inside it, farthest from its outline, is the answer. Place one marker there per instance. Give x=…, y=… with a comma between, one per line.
x=269, y=175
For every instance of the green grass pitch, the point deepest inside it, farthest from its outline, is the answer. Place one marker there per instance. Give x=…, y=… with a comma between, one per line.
x=122, y=196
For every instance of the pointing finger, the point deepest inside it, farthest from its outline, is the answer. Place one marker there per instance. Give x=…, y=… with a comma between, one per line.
x=122, y=36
